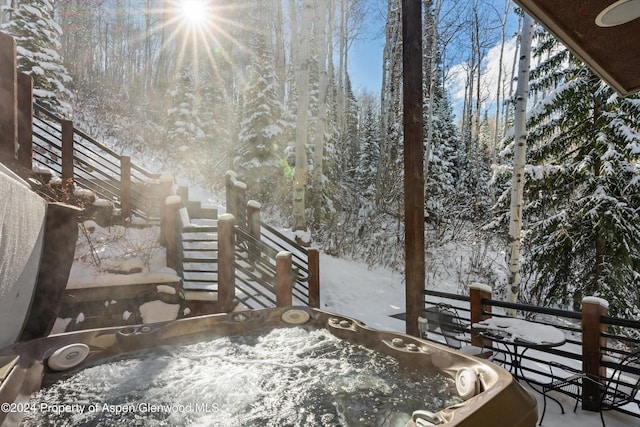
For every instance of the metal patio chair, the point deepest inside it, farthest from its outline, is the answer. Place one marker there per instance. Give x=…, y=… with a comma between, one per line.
x=446, y=317
x=616, y=390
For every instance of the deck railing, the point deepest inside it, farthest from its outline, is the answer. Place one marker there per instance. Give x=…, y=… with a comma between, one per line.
x=306, y=262
x=594, y=340
x=258, y=265
x=76, y=156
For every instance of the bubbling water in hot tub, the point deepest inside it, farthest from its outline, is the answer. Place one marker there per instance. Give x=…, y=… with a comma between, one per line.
x=282, y=376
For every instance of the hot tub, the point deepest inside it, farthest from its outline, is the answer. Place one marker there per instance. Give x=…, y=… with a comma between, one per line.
x=486, y=394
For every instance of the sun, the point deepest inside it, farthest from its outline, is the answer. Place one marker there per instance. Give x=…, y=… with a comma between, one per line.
x=194, y=12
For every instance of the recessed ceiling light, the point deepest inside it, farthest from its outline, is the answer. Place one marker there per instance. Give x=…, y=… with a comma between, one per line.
x=619, y=13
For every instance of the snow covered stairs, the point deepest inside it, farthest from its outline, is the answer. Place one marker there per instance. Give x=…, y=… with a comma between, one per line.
x=197, y=257
x=199, y=263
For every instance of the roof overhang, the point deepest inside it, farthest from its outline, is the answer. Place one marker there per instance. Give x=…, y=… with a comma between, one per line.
x=612, y=52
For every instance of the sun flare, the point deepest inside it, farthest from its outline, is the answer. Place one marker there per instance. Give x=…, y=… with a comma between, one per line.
x=194, y=12
x=200, y=34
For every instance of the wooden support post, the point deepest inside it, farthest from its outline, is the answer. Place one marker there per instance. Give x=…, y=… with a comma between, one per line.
x=253, y=227
x=67, y=155
x=593, y=341
x=241, y=204
x=8, y=99
x=313, y=263
x=478, y=292
x=172, y=234
x=25, y=120
x=413, y=162
x=125, y=188
x=165, y=190
x=183, y=192
x=226, y=258
x=284, y=279
x=229, y=185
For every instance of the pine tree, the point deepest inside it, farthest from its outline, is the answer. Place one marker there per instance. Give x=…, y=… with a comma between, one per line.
x=260, y=148
x=441, y=176
x=217, y=123
x=184, y=137
x=441, y=135
x=369, y=138
x=583, y=235
x=37, y=36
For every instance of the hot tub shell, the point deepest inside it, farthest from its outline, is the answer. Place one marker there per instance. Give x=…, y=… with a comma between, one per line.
x=500, y=400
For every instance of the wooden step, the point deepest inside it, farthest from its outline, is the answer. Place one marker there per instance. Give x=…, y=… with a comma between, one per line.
x=203, y=222
x=201, y=245
x=199, y=266
x=190, y=256
x=199, y=286
x=199, y=236
x=200, y=276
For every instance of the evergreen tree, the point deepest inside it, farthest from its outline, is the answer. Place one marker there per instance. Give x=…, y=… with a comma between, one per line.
x=184, y=137
x=440, y=179
x=369, y=143
x=217, y=123
x=583, y=235
x=260, y=148
x=37, y=36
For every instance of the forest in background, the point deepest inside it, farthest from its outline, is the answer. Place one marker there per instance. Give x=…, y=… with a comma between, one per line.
x=197, y=99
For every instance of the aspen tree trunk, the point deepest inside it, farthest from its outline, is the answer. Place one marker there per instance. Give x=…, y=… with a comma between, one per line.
x=341, y=65
x=506, y=115
x=279, y=52
x=330, y=67
x=496, y=135
x=318, y=170
x=519, y=156
x=430, y=49
x=343, y=98
x=302, y=84
x=475, y=138
x=293, y=20
x=391, y=108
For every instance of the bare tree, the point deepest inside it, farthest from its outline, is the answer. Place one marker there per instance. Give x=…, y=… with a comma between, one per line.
x=499, y=86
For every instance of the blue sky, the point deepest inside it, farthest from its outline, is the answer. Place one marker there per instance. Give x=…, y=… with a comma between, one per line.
x=365, y=55
x=365, y=60
x=365, y=64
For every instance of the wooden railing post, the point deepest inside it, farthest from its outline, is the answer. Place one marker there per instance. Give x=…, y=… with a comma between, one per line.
x=165, y=189
x=241, y=204
x=125, y=188
x=8, y=99
x=478, y=292
x=171, y=206
x=67, y=153
x=593, y=341
x=230, y=181
x=226, y=258
x=313, y=263
x=284, y=279
x=25, y=120
x=253, y=228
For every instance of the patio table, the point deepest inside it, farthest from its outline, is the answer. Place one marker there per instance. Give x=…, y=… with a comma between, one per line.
x=515, y=334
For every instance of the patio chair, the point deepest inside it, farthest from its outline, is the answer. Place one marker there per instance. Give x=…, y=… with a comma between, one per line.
x=450, y=325
x=616, y=390
x=453, y=330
